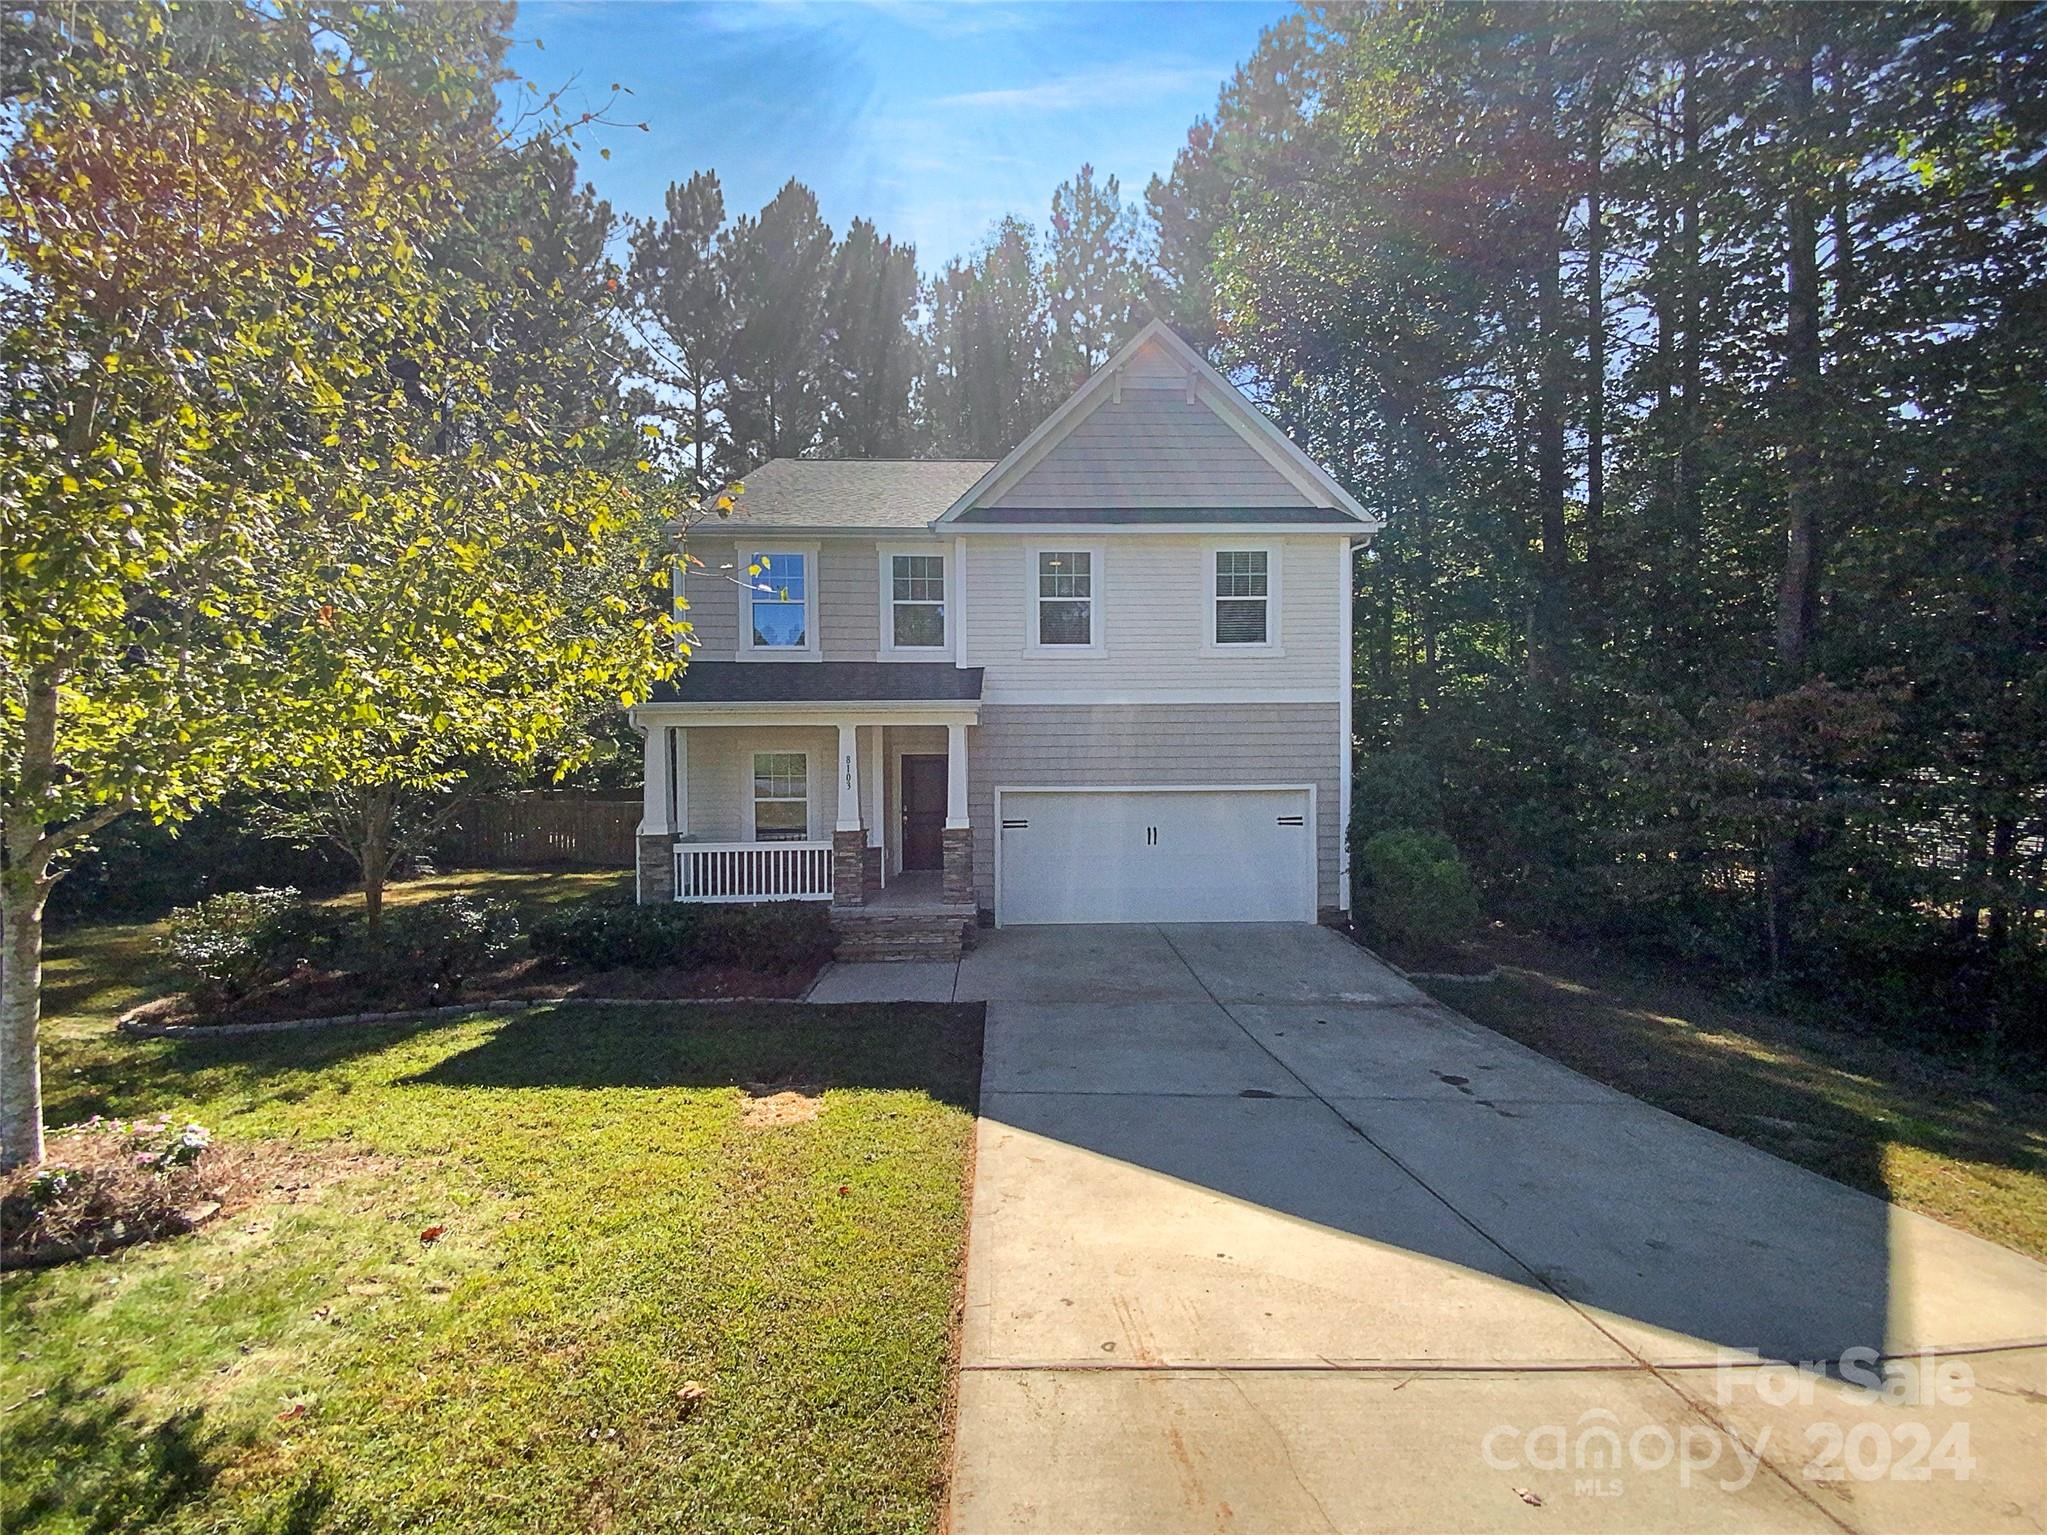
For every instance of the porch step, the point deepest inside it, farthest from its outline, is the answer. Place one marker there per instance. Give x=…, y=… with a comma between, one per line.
x=866, y=936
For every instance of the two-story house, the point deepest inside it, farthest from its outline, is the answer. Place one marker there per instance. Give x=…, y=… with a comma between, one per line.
x=1106, y=679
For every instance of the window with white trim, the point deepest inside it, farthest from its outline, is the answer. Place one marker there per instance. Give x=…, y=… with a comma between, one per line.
x=778, y=587
x=1243, y=597
x=916, y=598
x=781, y=796
x=1066, y=597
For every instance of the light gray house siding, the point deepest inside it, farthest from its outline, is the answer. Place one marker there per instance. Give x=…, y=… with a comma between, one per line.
x=848, y=593
x=1056, y=745
x=1153, y=447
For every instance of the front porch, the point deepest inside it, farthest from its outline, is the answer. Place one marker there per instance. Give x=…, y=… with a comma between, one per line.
x=860, y=802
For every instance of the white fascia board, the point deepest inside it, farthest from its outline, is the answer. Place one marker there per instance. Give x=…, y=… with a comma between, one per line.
x=807, y=713
x=1056, y=530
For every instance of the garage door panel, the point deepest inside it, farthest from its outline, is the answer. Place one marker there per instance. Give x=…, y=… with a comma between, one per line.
x=1229, y=855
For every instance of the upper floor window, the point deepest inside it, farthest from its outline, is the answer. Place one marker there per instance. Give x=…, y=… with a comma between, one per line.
x=779, y=600
x=1066, y=597
x=916, y=599
x=1243, y=597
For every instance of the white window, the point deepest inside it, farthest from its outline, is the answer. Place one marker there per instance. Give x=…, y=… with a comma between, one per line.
x=781, y=595
x=916, y=601
x=1065, y=585
x=1243, y=598
x=781, y=796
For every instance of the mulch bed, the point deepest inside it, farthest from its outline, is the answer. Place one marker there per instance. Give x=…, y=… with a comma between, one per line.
x=310, y=993
x=98, y=1194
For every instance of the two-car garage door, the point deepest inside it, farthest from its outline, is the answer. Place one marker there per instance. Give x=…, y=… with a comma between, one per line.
x=1155, y=855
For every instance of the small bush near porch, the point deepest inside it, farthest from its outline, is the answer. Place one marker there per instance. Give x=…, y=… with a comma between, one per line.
x=666, y=1267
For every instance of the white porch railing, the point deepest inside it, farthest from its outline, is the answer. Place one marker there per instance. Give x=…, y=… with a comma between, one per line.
x=753, y=871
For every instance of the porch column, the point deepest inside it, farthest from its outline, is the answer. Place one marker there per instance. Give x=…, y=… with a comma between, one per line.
x=849, y=842
x=655, y=861
x=873, y=807
x=959, y=836
x=654, y=793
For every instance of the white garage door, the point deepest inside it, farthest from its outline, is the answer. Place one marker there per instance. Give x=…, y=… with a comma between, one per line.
x=1154, y=855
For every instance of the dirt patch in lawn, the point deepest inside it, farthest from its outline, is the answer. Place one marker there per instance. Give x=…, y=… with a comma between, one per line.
x=769, y=1104
x=105, y=1185
x=312, y=993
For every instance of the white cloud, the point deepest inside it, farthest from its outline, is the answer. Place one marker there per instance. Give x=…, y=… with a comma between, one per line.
x=1113, y=85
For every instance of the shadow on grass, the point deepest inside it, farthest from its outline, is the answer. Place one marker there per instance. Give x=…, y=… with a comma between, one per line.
x=933, y=1048
x=1837, y=1102
x=82, y=1459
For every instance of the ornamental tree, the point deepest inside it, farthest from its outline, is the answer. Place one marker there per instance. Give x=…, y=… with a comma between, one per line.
x=216, y=220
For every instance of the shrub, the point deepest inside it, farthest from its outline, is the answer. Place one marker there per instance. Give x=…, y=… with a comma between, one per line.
x=225, y=944
x=440, y=944
x=771, y=938
x=1418, y=892
x=1393, y=791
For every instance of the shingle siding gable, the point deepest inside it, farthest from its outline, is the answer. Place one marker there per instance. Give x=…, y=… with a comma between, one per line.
x=1152, y=448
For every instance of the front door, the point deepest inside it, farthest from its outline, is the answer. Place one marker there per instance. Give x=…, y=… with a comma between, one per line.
x=923, y=813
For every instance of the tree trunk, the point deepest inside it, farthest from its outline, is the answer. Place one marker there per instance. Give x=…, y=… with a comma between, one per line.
x=22, y=894
x=1798, y=586
x=1553, y=566
x=1595, y=351
x=1691, y=531
x=24, y=887
x=375, y=857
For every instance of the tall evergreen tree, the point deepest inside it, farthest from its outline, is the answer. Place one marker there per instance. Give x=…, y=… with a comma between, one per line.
x=869, y=351
x=1683, y=350
x=776, y=270
x=984, y=377
x=679, y=297
x=1094, y=279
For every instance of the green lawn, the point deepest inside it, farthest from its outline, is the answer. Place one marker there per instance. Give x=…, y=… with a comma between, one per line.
x=95, y=971
x=1962, y=1145
x=617, y=1235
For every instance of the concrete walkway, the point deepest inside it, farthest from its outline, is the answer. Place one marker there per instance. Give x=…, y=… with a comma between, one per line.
x=1264, y=1239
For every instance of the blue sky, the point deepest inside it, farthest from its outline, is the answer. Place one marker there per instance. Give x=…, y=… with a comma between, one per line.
x=932, y=119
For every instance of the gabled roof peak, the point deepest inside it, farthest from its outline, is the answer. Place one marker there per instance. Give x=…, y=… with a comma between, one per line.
x=1153, y=428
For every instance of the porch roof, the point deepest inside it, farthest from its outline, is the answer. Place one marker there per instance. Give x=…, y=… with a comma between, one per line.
x=821, y=682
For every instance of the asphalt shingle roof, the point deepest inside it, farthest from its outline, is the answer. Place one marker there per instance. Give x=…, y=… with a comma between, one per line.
x=850, y=493
x=830, y=682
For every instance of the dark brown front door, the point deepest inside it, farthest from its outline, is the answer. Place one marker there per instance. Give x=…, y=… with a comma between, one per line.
x=923, y=813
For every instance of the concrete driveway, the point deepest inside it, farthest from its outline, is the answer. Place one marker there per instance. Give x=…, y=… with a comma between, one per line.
x=1264, y=1239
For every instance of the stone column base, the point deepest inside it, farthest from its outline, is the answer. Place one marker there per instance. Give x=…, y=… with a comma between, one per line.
x=959, y=865
x=657, y=868
x=849, y=868
x=870, y=874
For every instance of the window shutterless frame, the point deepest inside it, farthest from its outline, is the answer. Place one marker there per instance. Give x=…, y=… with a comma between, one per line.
x=917, y=618
x=1241, y=592
x=1064, y=593
x=781, y=796
x=778, y=603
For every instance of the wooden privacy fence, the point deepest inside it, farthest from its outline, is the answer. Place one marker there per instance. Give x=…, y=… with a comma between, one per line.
x=568, y=830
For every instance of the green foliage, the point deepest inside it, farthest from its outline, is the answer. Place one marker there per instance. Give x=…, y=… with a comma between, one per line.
x=140, y=868
x=226, y=944
x=440, y=944
x=1691, y=357
x=773, y=937
x=1417, y=892
x=1394, y=791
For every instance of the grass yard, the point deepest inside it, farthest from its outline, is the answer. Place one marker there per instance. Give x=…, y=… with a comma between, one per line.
x=661, y=1299
x=1956, y=1144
